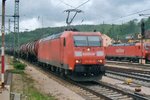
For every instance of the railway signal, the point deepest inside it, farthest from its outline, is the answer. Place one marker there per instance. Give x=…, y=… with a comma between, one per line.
x=3, y=44
x=143, y=29
x=143, y=36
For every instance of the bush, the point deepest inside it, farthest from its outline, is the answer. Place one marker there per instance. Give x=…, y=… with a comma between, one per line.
x=19, y=65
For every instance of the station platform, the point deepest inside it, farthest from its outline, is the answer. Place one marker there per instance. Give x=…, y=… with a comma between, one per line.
x=5, y=93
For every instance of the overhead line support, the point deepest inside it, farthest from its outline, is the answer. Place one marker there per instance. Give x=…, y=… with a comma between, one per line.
x=16, y=30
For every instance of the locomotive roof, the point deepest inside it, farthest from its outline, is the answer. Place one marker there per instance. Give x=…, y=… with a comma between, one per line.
x=130, y=44
x=86, y=33
x=53, y=36
x=124, y=44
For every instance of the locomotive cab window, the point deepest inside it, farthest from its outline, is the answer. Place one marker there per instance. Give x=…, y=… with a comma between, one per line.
x=94, y=41
x=80, y=41
x=87, y=41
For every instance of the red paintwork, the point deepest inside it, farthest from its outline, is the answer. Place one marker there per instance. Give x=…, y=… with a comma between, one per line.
x=53, y=52
x=129, y=51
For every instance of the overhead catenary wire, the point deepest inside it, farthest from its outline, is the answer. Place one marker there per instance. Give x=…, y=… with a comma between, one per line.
x=66, y=4
x=136, y=13
x=130, y=14
x=147, y=15
x=73, y=6
x=75, y=9
x=82, y=4
x=112, y=20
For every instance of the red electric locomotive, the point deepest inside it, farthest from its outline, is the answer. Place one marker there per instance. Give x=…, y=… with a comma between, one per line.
x=131, y=52
x=78, y=55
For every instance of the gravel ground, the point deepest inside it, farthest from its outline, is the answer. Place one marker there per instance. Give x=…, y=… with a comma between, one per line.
x=49, y=86
x=144, y=90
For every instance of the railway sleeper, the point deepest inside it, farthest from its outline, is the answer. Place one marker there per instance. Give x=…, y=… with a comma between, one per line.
x=121, y=97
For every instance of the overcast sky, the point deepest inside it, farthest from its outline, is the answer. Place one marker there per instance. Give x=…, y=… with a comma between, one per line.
x=51, y=12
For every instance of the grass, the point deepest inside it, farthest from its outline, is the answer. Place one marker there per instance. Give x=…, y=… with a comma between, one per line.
x=18, y=65
x=26, y=84
x=35, y=95
x=16, y=71
x=31, y=92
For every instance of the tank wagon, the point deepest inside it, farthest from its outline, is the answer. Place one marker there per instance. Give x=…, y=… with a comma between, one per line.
x=131, y=52
x=78, y=55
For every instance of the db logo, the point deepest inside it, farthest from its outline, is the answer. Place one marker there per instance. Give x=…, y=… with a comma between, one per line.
x=119, y=50
x=88, y=54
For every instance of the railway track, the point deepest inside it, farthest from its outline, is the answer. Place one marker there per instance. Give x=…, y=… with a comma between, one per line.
x=128, y=69
x=100, y=90
x=136, y=77
x=109, y=92
x=140, y=74
x=94, y=90
x=129, y=64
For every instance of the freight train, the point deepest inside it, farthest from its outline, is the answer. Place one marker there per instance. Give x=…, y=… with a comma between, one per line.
x=128, y=52
x=77, y=55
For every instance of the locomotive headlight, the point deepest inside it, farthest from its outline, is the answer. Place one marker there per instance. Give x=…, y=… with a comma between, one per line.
x=99, y=53
x=88, y=49
x=78, y=61
x=100, y=61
